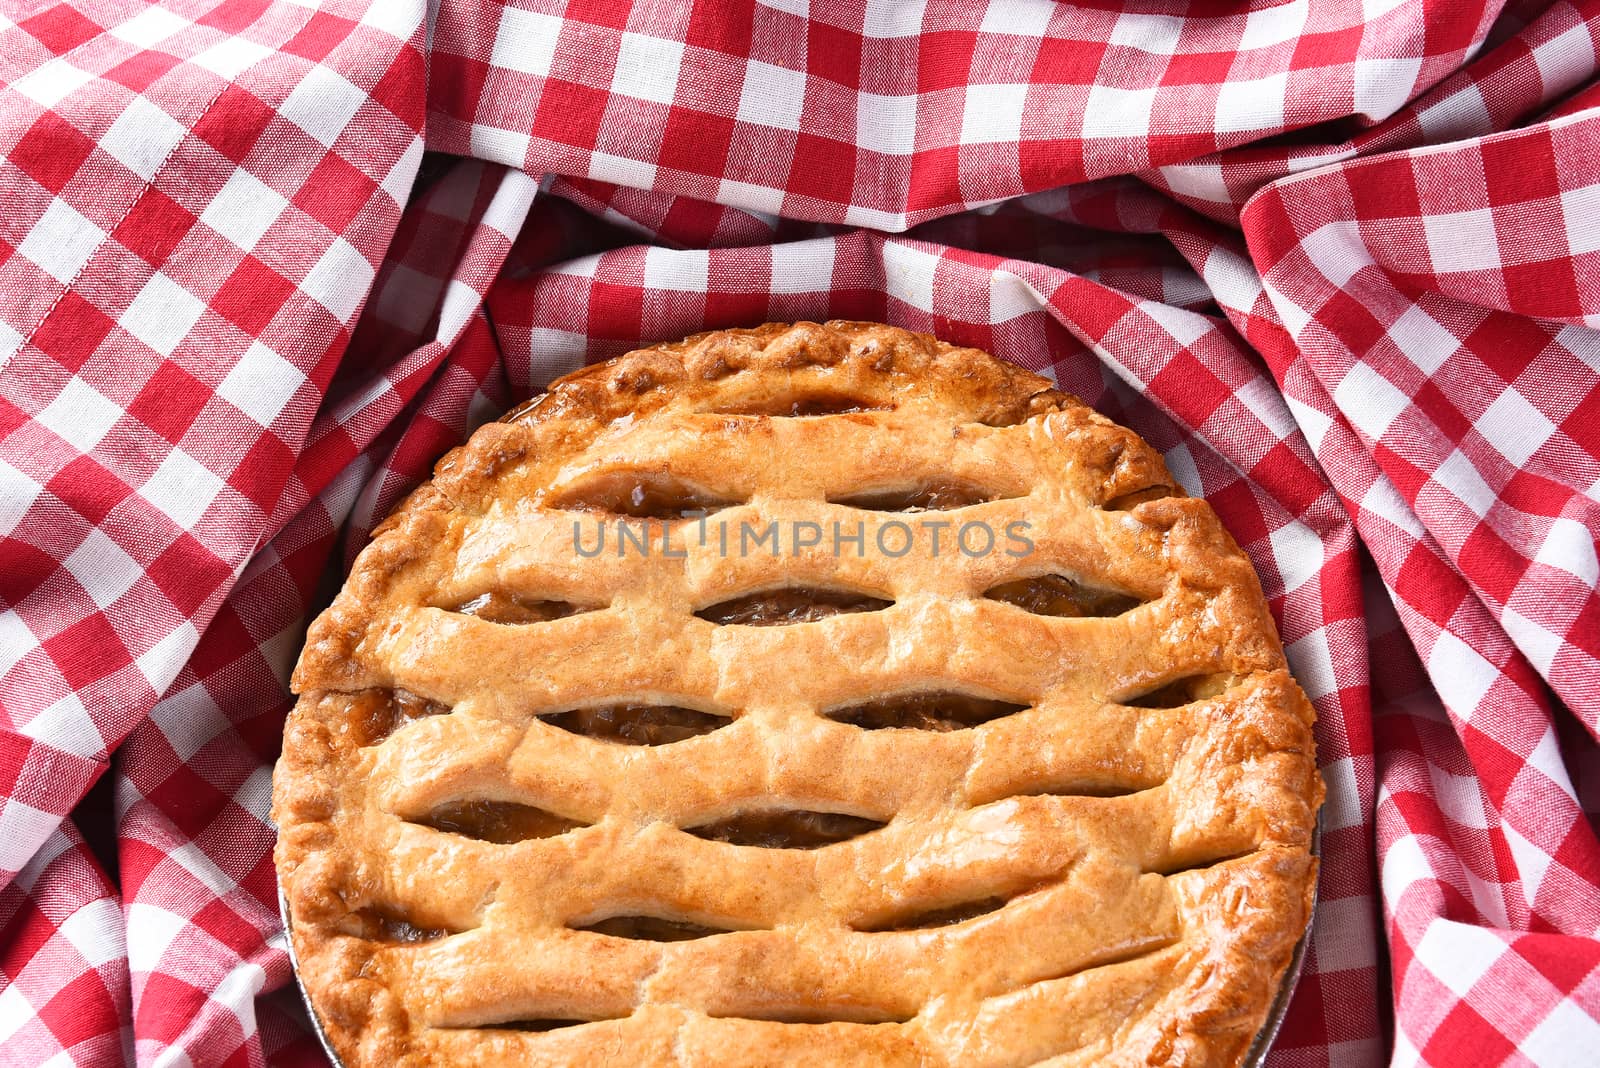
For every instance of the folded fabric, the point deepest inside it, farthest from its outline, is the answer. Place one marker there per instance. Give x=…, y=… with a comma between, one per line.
x=261, y=263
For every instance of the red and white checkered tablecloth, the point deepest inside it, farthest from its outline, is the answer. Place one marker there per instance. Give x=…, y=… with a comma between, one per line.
x=260, y=263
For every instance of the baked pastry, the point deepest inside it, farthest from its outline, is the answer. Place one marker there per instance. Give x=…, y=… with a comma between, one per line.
x=1040, y=794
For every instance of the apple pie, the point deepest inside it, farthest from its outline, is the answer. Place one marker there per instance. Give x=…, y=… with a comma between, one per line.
x=811, y=694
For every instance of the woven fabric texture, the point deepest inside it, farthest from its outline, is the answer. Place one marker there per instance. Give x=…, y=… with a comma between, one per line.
x=261, y=263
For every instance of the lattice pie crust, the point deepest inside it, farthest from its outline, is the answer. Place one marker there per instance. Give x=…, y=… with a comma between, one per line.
x=819, y=807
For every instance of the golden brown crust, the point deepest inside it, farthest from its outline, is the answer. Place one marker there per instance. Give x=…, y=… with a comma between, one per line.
x=1101, y=854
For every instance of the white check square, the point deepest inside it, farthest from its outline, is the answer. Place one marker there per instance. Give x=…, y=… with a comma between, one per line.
x=1026, y=18
x=1514, y=427
x=910, y=273
x=1336, y=249
x=683, y=271
x=888, y=124
x=893, y=18
x=182, y=488
x=1370, y=401
x=96, y=931
x=802, y=267
x=23, y=829
x=773, y=96
x=1265, y=27
x=150, y=26
x=525, y=41
x=500, y=146
x=62, y=241
x=67, y=726
x=1462, y=240
x=103, y=570
x=1562, y=1036
x=162, y=314
x=143, y=137
x=50, y=83
x=323, y=104
x=1113, y=112
x=1297, y=550
x=1253, y=104
x=1382, y=86
x=10, y=344
x=460, y=302
x=1461, y=673
x=232, y=56
x=1422, y=339
x=1458, y=954
x=1460, y=476
x=17, y=640
x=993, y=114
x=17, y=494
x=244, y=209
x=621, y=170
x=261, y=384
x=762, y=199
x=80, y=415
x=647, y=67
x=1570, y=546
x=1156, y=34
x=340, y=279
x=162, y=662
x=1580, y=209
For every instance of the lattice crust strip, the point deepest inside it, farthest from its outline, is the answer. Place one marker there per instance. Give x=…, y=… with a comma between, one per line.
x=936, y=807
